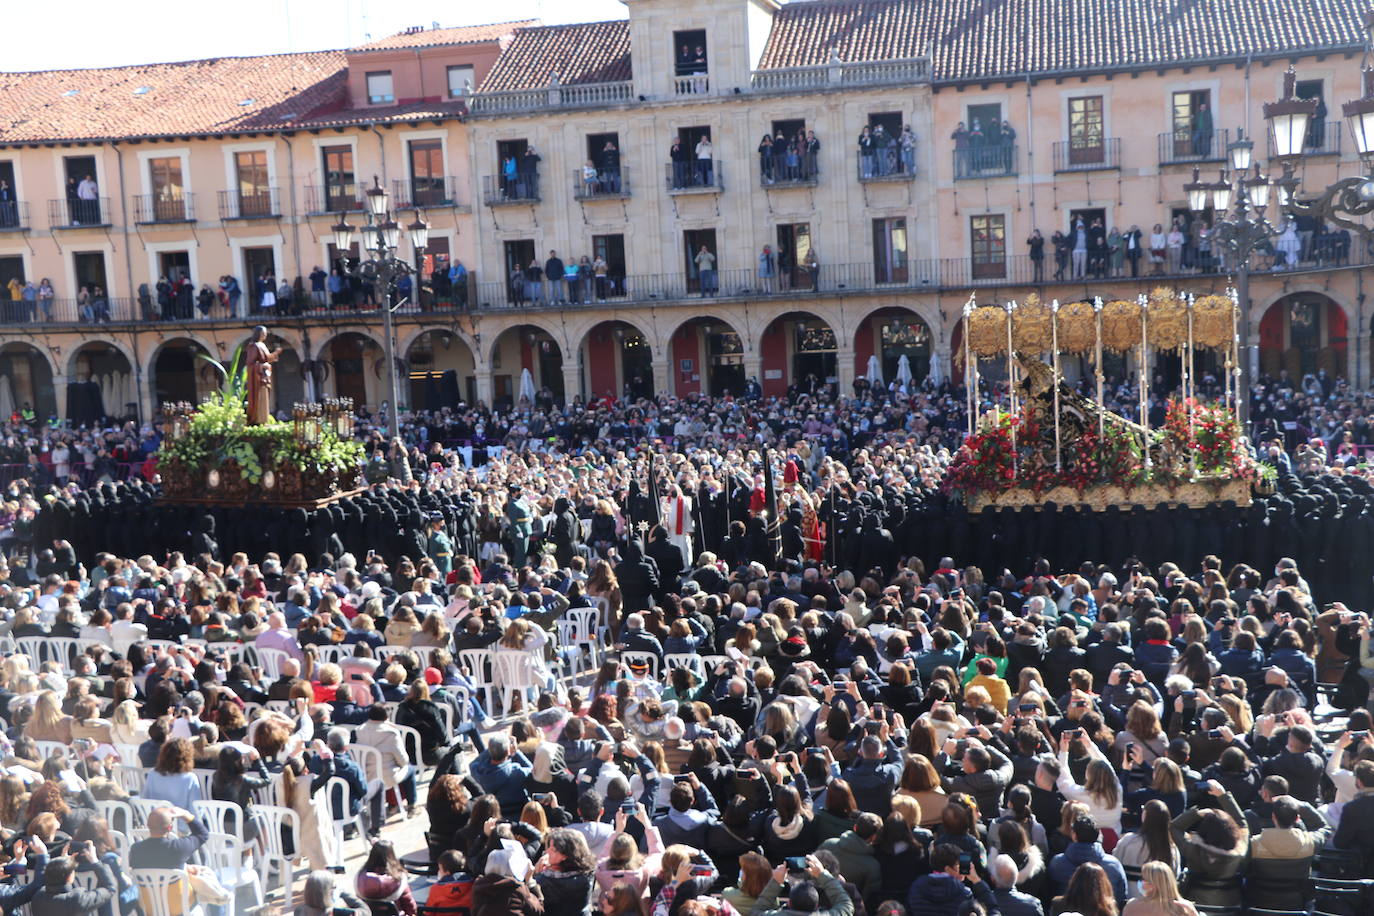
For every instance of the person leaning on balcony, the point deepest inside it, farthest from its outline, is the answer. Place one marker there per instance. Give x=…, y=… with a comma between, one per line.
x=677, y=155
x=907, y=142
x=813, y=267
x=706, y=271
x=610, y=168
x=866, y=149
x=1158, y=248
x=318, y=293
x=45, y=298
x=1132, y=243
x=704, y=154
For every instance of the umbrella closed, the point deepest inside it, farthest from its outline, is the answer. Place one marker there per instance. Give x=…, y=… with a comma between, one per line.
x=526, y=386
x=875, y=370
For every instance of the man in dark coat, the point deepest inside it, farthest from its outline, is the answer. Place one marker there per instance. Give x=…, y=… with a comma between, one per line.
x=638, y=577
x=667, y=556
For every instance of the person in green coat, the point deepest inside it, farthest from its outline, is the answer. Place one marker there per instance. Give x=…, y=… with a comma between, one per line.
x=438, y=547
x=803, y=898
x=521, y=526
x=858, y=862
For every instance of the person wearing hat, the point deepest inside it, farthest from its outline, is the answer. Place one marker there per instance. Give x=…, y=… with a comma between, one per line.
x=521, y=525
x=438, y=547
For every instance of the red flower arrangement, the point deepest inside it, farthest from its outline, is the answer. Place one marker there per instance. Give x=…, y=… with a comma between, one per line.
x=1210, y=449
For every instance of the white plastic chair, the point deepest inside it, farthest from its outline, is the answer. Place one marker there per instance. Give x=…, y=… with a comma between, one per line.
x=35, y=647
x=686, y=660
x=585, y=632
x=480, y=668
x=131, y=776
x=118, y=814
x=271, y=849
x=47, y=748
x=224, y=854
x=649, y=658
x=271, y=661
x=61, y=649
x=414, y=745
x=384, y=653
x=603, y=616
x=144, y=807
x=165, y=645
x=332, y=654
x=154, y=891
x=710, y=662
x=516, y=676
x=281, y=706
x=206, y=778
x=337, y=790
x=221, y=816
x=369, y=760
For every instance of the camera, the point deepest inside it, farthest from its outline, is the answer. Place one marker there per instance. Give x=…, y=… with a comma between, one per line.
x=1028, y=707
x=795, y=863
x=815, y=752
x=629, y=806
x=1214, y=733
x=965, y=863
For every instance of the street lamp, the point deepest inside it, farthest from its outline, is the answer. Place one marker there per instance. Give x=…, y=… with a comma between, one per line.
x=1238, y=199
x=379, y=265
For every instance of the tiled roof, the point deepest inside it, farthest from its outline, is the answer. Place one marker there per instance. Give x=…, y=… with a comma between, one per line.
x=978, y=39
x=192, y=97
x=589, y=52
x=430, y=38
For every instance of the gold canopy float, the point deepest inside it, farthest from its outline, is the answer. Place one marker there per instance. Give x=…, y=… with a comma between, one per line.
x=1049, y=441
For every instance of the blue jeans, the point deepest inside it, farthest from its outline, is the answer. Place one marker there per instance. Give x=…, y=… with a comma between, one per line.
x=708, y=282
x=555, y=290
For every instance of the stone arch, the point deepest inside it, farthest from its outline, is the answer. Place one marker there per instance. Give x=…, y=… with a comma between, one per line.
x=1302, y=332
x=558, y=337
x=798, y=347
x=719, y=352
x=442, y=368
x=27, y=376
x=73, y=367
x=348, y=361
x=415, y=333
x=737, y=320
x=527, y=345
x=618, y=357
x=883, y=333
x=181, y=377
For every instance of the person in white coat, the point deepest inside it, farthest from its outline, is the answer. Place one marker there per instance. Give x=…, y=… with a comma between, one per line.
x=397, y=772
x=680, y=523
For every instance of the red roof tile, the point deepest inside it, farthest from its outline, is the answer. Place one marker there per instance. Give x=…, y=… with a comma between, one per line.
x=589, y=52
x=979, y=39
x=221, y=95
x=429, y=38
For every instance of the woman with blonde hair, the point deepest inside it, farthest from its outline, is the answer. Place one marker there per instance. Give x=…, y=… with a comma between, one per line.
x=433, y=632
x=14, y=802
x=603, y=585
x=402, y=628
x=1100, y=790
x=1159, y=894
x=1143, y=733
x=48, y=723
x=623, y=863
x=524, y=637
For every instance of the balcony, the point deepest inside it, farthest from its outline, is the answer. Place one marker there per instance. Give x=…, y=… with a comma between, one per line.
x=1183, y=146
x=886, y=164
x=903, y=71
x=521, y=188
x=79, y=214
x=14, y=216
x=604, y=184
x=695, y=176
x=439, y=191
x=553, y=96
x=692, y=84
x=157, y=208
x=1093, y=155
x=1323, y=139
x=333, y=198
x=985, y=161
x=258, y=203
x=789, y=170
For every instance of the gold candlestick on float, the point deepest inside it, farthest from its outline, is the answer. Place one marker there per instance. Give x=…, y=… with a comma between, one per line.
x=1011, y=387
x=1054, y=337
x=1101, y=416
x=1144, y=303
x=970, y=372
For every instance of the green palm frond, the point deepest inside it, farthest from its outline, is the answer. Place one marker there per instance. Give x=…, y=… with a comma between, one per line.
x=235, y=384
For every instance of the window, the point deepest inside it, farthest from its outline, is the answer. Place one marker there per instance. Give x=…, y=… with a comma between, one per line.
x=518, y=254
x=611, y=249
x=340, y=191
x=165, y=176
x=82, y=192
x=1192, y=121
x=379, y=88
x=460, y=81
x=690, y=52
x=9, y=209
x=1316, y=126
x=427, y=173
x=251, y=181
x=988, y=243
x=1086, y=135
x=701, y=274
x=984, y=117
x=794, y=244
x=889, y=250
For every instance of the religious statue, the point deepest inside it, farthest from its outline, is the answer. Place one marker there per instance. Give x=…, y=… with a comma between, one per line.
x=258, y=360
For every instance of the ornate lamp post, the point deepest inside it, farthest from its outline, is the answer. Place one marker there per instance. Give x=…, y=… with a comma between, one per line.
x=1239, y=199
x=379, y=265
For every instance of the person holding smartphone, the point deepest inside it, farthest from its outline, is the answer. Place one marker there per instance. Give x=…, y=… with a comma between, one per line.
x=951, y=886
